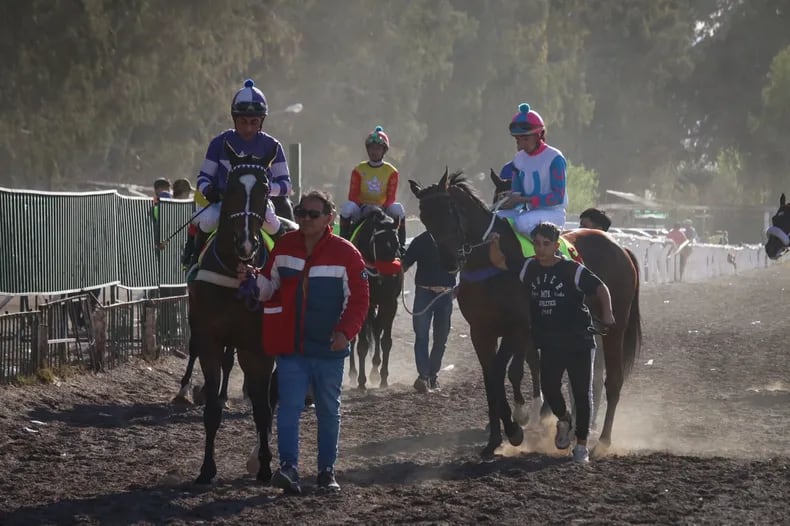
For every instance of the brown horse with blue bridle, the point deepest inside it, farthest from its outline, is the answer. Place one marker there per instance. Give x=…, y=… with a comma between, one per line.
x=223, y=312
x=493, y=304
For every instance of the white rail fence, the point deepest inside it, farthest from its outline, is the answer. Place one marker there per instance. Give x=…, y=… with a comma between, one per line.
x=660, y=262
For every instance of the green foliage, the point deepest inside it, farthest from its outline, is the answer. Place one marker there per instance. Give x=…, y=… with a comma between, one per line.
x=644, y=94
x=582, y=188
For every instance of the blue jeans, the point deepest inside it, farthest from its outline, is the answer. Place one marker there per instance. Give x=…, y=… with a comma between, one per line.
x=428, y=365
x=294, y=374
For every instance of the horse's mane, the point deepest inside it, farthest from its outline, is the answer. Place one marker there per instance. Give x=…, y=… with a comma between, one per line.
x=458, y=180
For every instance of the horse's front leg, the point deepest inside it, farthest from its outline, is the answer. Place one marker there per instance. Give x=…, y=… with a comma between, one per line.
x=352, y=366
x=227, y=365
x=262, y=390
x=210, y=363
x=363, y=344
x=485, y=347
x=384, y=331
x=513, y=430
x=510, y=344
x=375, y=334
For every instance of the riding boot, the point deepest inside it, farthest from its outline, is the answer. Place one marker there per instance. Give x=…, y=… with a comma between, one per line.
x=345, y=228
x=402, y=236
x=200, y=242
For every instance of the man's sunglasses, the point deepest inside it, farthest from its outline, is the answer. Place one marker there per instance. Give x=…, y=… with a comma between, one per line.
x=249, y=106
x=303, y=212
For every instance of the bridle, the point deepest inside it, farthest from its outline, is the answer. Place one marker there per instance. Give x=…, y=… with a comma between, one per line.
x=465, y=249
x=259, y=172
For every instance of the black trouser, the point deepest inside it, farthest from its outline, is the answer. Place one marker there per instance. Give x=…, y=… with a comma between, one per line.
x=579, y=363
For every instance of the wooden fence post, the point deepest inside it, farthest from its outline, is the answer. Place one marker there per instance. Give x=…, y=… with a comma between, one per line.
x=42, y=342
x=99, y=326
x=149, y=330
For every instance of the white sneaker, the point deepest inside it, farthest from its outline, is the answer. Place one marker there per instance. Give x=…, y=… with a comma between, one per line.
x=581, y=455
x=562, y=439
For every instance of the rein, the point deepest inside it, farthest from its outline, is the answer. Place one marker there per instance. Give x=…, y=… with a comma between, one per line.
x=451, y=290
x=162, y=244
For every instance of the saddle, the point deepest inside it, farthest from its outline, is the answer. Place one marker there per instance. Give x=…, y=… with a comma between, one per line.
x=528, y=249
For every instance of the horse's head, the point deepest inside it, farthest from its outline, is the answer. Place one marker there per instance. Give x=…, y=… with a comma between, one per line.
x=440, y=214
x=244, y=203
x=377, y=239
x=779, y=232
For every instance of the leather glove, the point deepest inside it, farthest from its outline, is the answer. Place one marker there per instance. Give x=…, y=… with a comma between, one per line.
x=212, y=194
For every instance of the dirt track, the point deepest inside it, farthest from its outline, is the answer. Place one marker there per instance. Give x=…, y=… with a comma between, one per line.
x=701, y=436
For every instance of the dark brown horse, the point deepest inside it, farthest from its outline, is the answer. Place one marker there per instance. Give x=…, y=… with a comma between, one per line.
x=459, y=220
x=377, y=241
x=779, y=231
x=220, y=317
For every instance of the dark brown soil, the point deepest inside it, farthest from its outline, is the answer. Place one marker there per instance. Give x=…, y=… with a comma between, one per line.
x=701, y=436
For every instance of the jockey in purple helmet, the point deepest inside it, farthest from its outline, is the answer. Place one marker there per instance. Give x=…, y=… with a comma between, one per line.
x=248, y=109
x=539, y=174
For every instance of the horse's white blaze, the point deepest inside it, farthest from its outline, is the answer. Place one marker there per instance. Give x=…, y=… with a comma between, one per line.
x=249, y=182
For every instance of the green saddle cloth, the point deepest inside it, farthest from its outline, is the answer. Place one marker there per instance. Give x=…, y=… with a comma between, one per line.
x=528, y=249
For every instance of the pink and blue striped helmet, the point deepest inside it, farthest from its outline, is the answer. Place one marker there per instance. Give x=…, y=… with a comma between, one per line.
x=377, y=136
x=526, y=122
x=249, y=101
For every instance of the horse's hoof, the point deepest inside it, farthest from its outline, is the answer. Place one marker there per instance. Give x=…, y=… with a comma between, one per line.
x=204, y=480
x=517, y=437
x=362, y=388
x=181, y=400
x=264, y=475
x=600, y=450
x=374, y=376
x=198, y=396
x=487, y=454
x=384, y=384
x=520, y=414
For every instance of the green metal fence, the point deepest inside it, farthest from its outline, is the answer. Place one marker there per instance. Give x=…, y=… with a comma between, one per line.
x=59, y=243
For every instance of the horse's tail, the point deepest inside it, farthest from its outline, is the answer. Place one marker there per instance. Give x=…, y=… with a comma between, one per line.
x=632, y=341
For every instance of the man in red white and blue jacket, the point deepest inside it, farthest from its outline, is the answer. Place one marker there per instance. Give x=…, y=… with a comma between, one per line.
x=316, y=296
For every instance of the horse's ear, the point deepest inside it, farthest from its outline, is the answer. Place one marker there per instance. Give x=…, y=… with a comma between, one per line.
x=233, y=157
x=499, y=183
x=782, y=200
x=416, y=188
x=443, y=181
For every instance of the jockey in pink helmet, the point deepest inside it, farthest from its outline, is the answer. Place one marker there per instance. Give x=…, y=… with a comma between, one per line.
x=538, y=183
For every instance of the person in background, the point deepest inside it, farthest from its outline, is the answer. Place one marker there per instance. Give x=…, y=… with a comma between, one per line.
x=162, y=188
x=680, y=248
x=248, y=108
x=690, y=231
x=309, y=333
x=433, y=302
x=373, y=183
x=561, y=327
x=540, y=182
x=182, y=189
x=595, y=219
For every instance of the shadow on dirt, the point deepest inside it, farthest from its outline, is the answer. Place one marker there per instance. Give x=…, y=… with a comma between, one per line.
x=410, y=472
x=110, y=416
x=161, y=503
x=156, y=505
x=416, y=444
